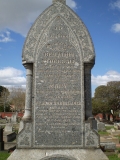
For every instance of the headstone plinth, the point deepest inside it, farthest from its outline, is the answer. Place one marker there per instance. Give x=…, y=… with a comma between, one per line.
x=58, y=56
x=58, y=154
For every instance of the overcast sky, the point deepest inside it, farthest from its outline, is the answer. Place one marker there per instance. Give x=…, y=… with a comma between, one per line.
x=102, y=19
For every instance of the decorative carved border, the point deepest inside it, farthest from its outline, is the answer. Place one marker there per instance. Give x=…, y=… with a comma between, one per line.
x=24, y=138
x=73, y=21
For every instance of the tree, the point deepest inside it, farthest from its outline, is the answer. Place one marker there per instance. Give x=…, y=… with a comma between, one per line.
x=100, y=100
x=4, y=104
x=95, y=106
x=17, y=98
x=107, y=98
x=114, y=95
x=101, y=92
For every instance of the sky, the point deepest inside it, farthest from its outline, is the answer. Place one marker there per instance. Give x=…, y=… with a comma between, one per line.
x=101, y=17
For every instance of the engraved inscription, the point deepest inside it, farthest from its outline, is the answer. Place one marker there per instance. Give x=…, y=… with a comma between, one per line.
x=58, y=90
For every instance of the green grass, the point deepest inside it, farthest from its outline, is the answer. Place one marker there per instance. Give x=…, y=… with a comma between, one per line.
x=4, y=155
x=109, y=127
x=103, y=133
x=113, y=157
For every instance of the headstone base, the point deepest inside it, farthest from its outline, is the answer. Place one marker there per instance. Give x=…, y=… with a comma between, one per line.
x=65, y=154
x=9, y=136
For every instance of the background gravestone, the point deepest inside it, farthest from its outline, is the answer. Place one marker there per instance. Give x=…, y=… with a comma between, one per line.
x=9, y=135
x=101, y=126
x=14, y=118
x=58, y=56
x=8, y=127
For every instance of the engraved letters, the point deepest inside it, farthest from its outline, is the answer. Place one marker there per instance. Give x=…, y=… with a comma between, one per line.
x=58, y=102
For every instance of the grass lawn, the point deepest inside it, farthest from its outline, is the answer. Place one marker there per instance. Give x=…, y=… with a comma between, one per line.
x=109, y=127
x=104, y=133
x=113, y=157
x=4, y=155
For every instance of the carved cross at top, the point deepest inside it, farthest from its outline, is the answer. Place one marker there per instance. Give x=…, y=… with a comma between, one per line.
x=61, y=1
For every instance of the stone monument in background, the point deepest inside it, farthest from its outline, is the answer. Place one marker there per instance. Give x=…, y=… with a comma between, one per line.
x=58, y=55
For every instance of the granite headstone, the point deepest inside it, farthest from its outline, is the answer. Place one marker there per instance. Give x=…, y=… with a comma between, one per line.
x=101, y=126
x=58, y=55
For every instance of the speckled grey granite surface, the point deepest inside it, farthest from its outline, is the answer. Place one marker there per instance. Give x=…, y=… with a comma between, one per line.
x=58, y=55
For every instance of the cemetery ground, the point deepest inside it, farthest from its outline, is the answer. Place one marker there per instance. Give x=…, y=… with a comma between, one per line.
x=109, y=134
x=4, y=155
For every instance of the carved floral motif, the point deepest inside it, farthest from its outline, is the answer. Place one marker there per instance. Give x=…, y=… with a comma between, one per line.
x=91, y=138
x=24, y=137
x=25, y=141
x=71, y=19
